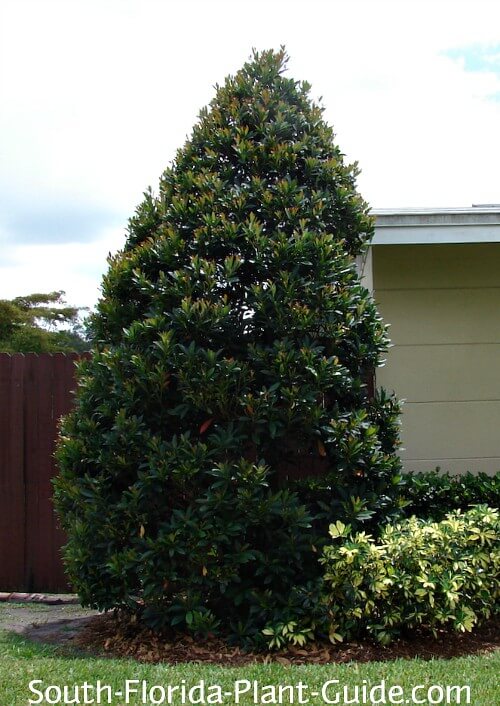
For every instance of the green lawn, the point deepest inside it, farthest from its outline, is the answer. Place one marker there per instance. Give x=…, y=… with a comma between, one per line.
x=22, y=661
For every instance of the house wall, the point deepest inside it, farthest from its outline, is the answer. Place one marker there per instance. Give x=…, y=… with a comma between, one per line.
x=443, y=306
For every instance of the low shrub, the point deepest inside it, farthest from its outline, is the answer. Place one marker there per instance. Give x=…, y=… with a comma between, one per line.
x=419, y=574
x=433, y=494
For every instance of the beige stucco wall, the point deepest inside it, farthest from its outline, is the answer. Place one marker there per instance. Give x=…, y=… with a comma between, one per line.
x=443, y=305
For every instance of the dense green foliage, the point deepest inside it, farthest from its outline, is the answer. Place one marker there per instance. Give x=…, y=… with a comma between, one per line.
x=40, y=323
x=419, y=574
x=233, y=345
x=434, y=494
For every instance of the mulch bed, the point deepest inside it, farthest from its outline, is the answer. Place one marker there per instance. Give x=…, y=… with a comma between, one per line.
x=119, y=637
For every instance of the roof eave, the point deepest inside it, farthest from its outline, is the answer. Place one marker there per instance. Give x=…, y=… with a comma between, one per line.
x=431, y=226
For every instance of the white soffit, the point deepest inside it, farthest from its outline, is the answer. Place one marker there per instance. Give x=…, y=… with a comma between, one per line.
x=428, y=226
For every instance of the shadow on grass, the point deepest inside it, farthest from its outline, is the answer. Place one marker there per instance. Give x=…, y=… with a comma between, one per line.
x=21, y=646
x=51, y=639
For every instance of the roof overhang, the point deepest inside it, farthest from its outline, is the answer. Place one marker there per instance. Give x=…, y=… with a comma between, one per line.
x=437, y=225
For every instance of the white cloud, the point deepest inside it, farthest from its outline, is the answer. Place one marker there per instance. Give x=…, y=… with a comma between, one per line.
x=75, y=268
x=98, y=94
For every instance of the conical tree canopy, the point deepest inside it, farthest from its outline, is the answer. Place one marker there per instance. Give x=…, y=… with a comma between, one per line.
x=225, y=417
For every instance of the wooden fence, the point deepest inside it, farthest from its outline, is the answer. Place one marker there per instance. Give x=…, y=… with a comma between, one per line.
x=35, y=390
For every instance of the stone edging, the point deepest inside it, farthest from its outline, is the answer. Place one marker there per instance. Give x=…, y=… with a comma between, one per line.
x=47, y=599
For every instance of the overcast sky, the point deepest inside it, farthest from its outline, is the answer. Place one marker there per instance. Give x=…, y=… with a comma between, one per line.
x=96, y=96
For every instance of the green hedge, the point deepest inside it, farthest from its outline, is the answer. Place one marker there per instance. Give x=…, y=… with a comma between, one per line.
x=433, y=494
x=419, y=574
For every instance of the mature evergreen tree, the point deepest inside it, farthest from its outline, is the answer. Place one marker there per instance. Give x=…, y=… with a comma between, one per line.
x=225, y=417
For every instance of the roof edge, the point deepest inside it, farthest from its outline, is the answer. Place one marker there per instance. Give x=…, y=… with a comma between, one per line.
x=437, y=225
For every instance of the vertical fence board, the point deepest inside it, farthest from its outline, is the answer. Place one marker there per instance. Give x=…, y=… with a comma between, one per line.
x=17, y=456
x=12, y=490
x=7, y=561
x=39, y=469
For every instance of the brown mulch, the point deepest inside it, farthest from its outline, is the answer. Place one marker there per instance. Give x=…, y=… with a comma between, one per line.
x=118, y=637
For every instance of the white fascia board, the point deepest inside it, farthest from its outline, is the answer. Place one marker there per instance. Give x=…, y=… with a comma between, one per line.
x=428, y=227
x=431, y=235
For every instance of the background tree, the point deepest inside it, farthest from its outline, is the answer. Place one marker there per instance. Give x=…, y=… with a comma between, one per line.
x=232, y=348
x=41, y=323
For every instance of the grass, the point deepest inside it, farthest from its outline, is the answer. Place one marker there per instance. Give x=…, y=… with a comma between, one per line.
x=22, y=661
x=33, y=607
